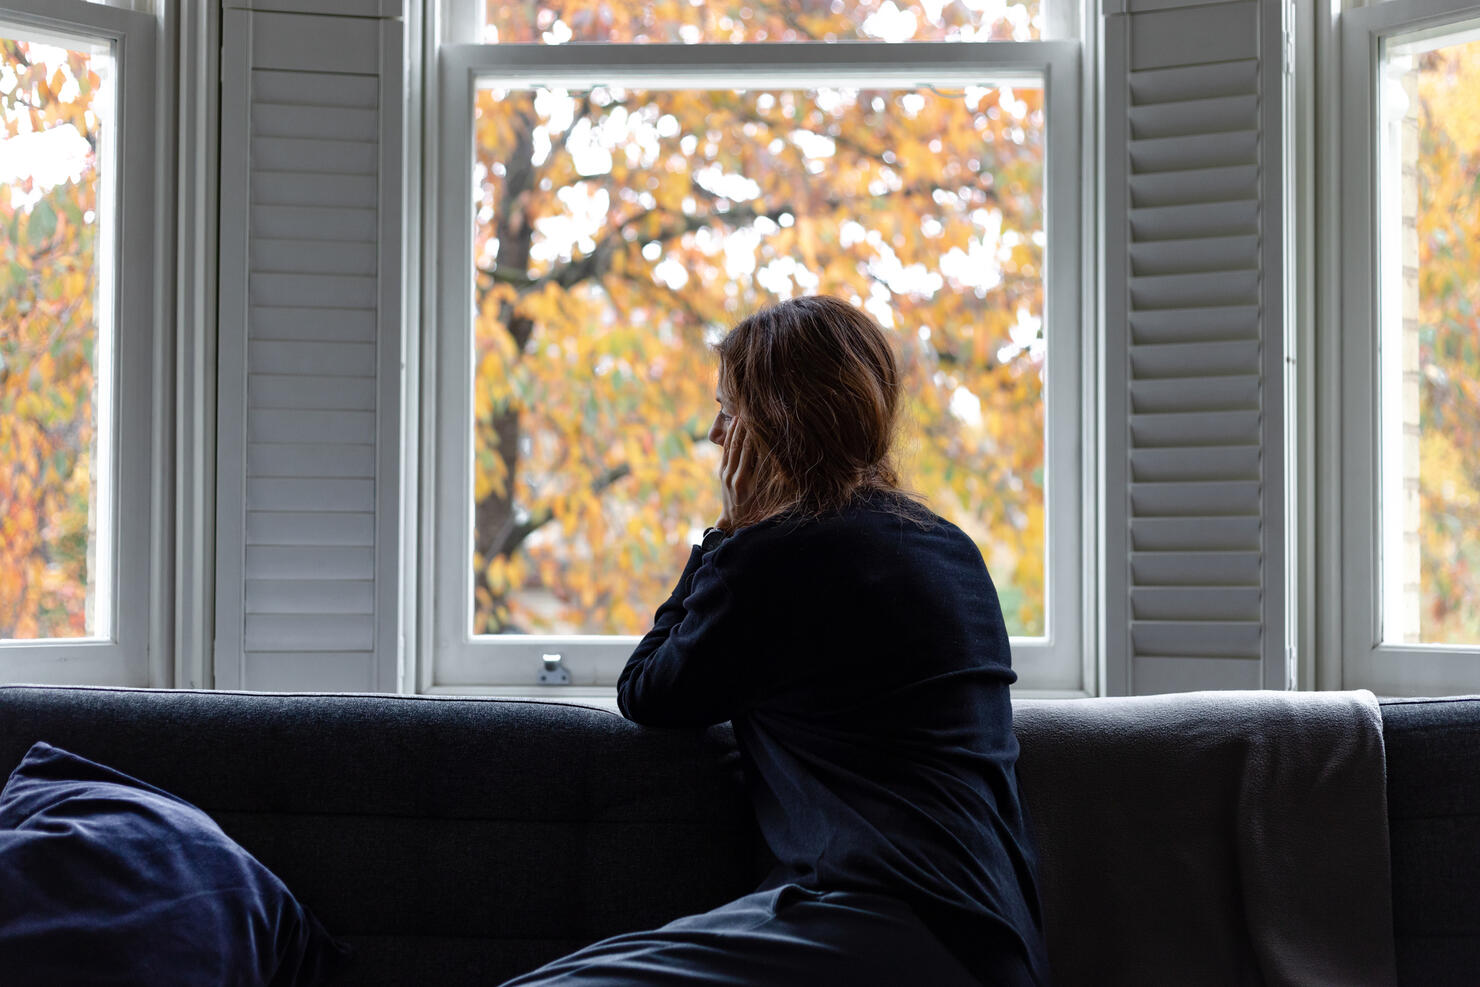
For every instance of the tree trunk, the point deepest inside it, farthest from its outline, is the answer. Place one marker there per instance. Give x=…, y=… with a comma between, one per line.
x=493, y=518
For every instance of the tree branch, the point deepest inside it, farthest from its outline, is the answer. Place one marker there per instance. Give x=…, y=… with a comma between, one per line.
x=514, y=533
x=582, y=113
x=598, y=261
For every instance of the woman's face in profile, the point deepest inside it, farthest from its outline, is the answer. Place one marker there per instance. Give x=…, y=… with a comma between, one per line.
x=719, y=432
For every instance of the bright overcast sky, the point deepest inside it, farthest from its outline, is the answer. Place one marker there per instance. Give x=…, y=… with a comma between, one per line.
x=52, y=156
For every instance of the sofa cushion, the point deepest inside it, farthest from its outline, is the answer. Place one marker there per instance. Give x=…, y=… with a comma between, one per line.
x=111, y=880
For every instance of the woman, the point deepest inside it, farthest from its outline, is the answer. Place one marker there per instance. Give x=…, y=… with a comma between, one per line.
x=856, y=642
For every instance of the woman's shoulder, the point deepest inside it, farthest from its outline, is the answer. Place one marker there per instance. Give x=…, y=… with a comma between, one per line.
x=890, y=502
x=868, y=520
x=874, y=545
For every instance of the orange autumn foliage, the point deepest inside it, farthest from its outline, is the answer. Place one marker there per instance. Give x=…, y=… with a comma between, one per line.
x=620, y=232
x=47, y=337
x=1448, y=228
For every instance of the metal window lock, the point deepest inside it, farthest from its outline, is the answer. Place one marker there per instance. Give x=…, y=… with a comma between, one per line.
x=554, y=672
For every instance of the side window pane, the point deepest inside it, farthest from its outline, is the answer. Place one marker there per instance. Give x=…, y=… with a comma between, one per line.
x=618, y=233
x=1430, y=338
x=693, y=21
x=56, y=99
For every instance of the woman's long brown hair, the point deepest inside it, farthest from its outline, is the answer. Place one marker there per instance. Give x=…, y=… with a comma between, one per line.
x=814, y=383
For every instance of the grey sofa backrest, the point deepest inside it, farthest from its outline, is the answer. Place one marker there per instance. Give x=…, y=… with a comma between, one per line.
x=451, y=841
x=461, y=841
x=1433, y=776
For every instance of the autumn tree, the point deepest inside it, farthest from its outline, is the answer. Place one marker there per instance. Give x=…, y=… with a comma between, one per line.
x=620, y=232
x=47, y=340
x=1448, y=229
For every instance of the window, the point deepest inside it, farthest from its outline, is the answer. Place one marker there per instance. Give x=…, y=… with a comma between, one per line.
x=607, y=212
x=1413, y=343
x=76, y=214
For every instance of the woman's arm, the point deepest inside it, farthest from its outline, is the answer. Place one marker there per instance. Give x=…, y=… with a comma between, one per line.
x=705, y=658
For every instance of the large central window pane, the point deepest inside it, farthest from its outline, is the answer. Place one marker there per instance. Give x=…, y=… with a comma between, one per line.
x=619, y=233
x=1430, y=337
x=56, y=335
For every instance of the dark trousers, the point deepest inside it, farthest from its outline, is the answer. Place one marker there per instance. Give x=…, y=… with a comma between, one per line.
x=784, y=936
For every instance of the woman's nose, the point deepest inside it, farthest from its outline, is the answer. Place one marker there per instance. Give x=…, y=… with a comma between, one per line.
x=717, y=432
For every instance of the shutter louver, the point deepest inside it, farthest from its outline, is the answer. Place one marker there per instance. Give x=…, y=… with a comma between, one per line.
x=1193, y=310
x=308, y=339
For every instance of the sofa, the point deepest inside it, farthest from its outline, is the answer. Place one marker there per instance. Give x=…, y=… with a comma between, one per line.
x=465, y=840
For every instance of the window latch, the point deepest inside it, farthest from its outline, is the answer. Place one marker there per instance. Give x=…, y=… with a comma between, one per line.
x=554, y=672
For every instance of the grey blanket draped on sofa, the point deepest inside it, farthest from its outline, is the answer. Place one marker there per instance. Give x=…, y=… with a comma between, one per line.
x=1250, y=849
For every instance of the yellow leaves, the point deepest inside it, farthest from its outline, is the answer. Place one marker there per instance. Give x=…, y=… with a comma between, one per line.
x=982, y=344
x=505, y=573
x=753, y=21
x=917, y=161
x=611, y=394
x=547, y=307
x=623, y=615
x=490, y=474
x=47, y=338
x=673, y=189
x=1445, y=85
x=1449, y=506
x=28, y=405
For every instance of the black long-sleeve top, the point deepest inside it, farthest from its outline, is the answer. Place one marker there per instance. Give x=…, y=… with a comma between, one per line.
x=863, y=660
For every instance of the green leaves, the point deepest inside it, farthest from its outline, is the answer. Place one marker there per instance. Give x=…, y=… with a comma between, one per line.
x=41, y=226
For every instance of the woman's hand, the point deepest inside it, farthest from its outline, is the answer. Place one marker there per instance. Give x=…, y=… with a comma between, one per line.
x=736, y=476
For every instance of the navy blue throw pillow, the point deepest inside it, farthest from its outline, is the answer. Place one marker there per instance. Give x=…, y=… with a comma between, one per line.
x=107, y=880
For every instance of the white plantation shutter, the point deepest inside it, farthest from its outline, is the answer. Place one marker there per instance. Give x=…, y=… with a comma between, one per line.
x=1194, y=308
x=308, y=447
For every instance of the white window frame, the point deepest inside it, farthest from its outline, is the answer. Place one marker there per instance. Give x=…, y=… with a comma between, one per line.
x=123, y=656
x=1352, y=581
x=451, y=659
